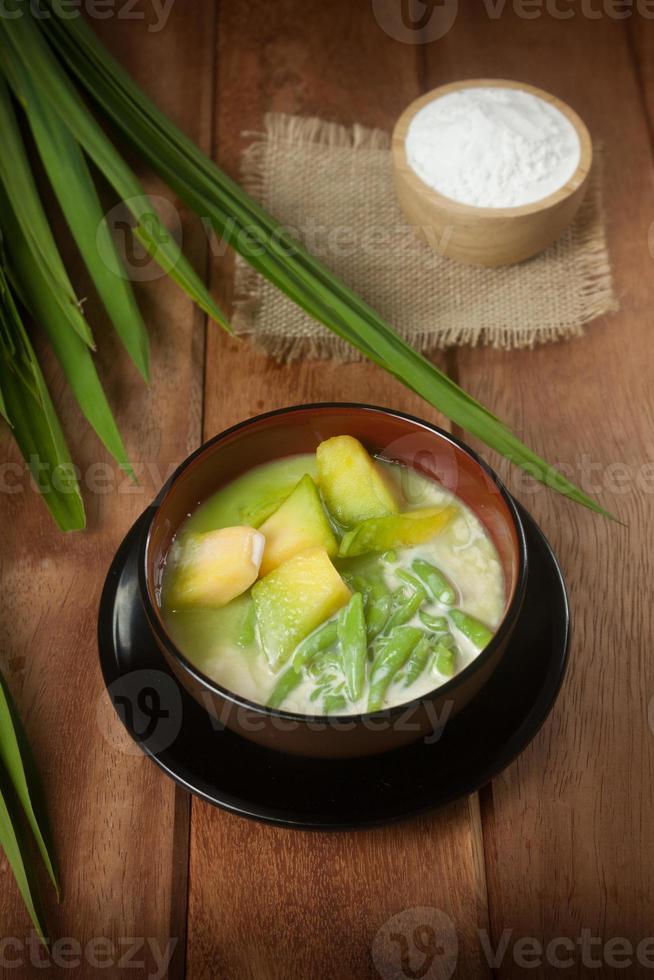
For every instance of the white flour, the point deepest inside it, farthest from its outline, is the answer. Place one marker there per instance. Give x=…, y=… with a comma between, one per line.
x=492, y=147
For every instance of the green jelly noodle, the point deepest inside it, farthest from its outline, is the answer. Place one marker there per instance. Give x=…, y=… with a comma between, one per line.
x=416, y=615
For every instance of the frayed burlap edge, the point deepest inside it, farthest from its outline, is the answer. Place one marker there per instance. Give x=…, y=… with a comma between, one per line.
x=596, y=286
x=280, y=127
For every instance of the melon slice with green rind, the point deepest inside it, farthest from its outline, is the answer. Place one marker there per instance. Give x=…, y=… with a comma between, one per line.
x=299, y=523
x=397, y=531
x=294, y=599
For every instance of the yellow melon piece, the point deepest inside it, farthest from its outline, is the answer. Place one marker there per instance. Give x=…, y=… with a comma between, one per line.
x=299, y=523
x=352, y=484
x=214, y=567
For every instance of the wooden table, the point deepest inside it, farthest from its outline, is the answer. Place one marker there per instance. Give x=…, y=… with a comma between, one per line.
x=562, y=843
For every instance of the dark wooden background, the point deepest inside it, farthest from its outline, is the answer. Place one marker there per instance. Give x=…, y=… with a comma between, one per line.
x=561, y=842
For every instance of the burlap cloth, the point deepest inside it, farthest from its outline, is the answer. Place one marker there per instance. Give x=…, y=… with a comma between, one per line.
x=332, y=187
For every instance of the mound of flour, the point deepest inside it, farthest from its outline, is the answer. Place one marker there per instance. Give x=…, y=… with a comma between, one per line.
x=492, y=147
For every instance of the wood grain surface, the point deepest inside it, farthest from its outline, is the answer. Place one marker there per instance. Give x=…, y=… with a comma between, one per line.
x=570, y=848
x=121, y=829
x=561, y=845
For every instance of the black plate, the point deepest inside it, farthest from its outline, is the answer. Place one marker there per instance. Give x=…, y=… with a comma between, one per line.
x=230, y=772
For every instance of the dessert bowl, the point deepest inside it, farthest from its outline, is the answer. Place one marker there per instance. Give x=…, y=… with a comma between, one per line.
x=417, y=447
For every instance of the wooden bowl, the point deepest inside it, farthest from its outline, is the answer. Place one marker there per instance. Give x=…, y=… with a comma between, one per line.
x=487, y=236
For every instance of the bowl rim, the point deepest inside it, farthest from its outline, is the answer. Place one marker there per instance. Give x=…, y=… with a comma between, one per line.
x=503, y=630
x=570, y=187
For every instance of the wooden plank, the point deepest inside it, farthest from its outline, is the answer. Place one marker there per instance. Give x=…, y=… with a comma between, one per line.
x=121, y=828
x=641, y=37
x=568, y=828
x=270, y=903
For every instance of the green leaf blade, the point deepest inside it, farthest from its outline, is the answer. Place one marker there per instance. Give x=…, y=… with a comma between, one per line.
x=71, y=180
x=73, y=355
x=13, y=843
x=24, y=38
x=37, y=433
x=3, y=408
x=34, y=423
x=20, y=189
x=16, y=758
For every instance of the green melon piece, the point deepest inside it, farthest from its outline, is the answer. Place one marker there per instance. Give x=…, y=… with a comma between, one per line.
x=397, y=531
x=294, y=599
x=352, y=484
x=300, y=523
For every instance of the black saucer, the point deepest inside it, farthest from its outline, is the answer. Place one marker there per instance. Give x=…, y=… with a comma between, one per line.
x=232, y=773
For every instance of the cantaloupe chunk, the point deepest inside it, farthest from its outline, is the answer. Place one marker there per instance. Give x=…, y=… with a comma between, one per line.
x=352, y=484
x=294, y=599
x=299, y=523
x=397, y=531
x=214, y=567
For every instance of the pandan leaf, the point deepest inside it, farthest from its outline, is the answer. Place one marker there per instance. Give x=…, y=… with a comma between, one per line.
x=16, y=848
x=20, y=189
x=286, y=263
x=73, y=355
x=16, y=759
x=69, y=175
x=22, y=36
x=3, y=407
x=28, y=408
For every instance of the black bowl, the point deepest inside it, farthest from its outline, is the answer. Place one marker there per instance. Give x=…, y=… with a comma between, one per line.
x=391, y=435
